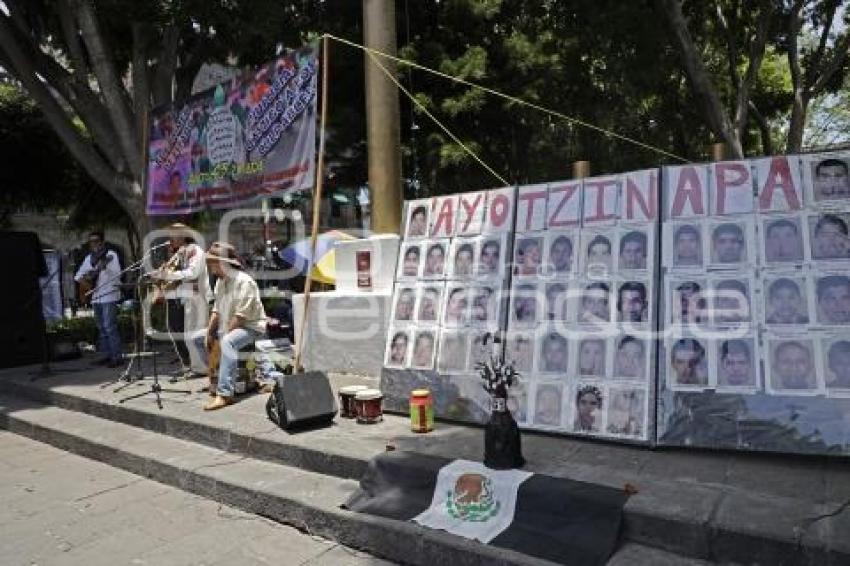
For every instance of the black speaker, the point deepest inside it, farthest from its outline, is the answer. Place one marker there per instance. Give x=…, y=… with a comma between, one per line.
x=22, y=328
x=302, y=400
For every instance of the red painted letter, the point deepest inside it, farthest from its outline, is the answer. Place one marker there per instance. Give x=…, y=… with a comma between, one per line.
x=780, y=176
x=559, y=213
x=689, y=188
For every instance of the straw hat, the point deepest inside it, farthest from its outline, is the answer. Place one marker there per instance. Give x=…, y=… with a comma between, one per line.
x=222, y=251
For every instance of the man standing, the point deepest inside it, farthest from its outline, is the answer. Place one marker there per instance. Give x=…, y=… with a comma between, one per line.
x=102, y=269
x=187, y=304
x=238, y=319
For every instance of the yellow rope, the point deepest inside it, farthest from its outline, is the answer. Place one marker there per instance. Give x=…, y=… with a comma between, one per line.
x=436, y=121
x=508, y=97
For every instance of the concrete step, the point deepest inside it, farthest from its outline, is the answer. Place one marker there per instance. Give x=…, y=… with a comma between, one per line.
x=306, y=500
x=738, y=508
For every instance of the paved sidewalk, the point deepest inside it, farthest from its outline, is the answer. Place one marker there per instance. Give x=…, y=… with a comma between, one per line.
x=62, y=509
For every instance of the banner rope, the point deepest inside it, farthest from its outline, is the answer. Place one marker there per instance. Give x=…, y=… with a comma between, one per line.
x=436, y=121
x=508, y=97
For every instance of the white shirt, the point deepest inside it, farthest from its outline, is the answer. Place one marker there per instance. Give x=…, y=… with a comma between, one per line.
x=106, y=288
x=192, y=271
x=238, y=294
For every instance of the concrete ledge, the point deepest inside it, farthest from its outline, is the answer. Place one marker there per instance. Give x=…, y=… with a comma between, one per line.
x=686, y=503
x=303, y=499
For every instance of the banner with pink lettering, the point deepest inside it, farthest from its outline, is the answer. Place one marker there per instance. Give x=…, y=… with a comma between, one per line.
x=695, y=305
x=250, y=137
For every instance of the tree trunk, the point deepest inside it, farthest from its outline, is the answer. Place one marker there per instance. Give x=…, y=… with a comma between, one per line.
x=798, y=123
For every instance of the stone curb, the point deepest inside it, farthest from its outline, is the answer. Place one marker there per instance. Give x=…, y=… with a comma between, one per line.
x=305, y=500
x=701, y=521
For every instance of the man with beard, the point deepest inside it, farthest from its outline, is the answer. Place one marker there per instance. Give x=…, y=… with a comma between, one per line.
x=793, y=367
x=785, y=303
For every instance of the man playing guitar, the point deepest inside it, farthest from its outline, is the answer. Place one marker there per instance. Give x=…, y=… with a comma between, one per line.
x=101, y=271
x=187, y=290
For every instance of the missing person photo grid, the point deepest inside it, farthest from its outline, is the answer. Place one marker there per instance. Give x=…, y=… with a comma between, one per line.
x=580, y=318
x=447, y=307
x=757, y=294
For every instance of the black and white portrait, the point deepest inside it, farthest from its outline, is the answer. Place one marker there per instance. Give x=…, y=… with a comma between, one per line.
x=456, y=306
x=634, y=250
x=687, y=363
x=785, y=300
x=484, y=304
x=730, y=243
x=525, y=305
x=435, y=259
x=424, y=349
x=828, y=236
x=560, y=253
x=589, y=406
x=626, y=412
x=597, y=250
x=782, y=239
x=519, y=351
x=832, y=299
x=630, y=358
x=829, y=178
x=553, y=357
x=684, y=245
x=398, y=348
x=687, y=303
x=418, y=212
x=490, y=256
x=403, y=305
x=429, y=300
x=547, y=404
x=463, y=258
x=632, y=302
x=592, y=357
x=730, y=299
x=836, y=363
x=558, y=301
x=791, y=366
x=736, y=364
x=595, y=303
x=453, y=352
x=411, y=261
x=528, y=255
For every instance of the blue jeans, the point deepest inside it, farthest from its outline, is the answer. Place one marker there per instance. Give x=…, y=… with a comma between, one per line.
x=231, y=343
x=106, y=318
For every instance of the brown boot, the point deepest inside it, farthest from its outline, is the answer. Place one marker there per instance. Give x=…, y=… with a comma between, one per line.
x=218, y=402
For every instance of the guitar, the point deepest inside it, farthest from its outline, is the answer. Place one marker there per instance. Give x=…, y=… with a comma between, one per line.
x=99, y=260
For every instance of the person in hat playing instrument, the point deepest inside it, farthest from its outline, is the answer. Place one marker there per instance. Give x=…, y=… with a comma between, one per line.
x=238, y=319
x=187, y=291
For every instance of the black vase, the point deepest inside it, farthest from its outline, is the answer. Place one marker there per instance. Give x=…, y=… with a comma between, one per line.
x=502, y=442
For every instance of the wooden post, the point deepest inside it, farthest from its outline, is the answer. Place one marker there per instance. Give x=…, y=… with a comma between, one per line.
x=717, y=151
x=581, y=169
x=383, y=132
x=317, y=204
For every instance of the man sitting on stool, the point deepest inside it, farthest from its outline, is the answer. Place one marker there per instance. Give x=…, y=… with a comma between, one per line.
x=237, y=319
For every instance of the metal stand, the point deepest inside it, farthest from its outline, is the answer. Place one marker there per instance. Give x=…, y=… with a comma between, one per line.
x=139, y=352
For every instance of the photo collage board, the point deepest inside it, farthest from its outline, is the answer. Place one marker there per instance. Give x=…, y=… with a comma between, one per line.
x=696, y=305
x=756, y=318
x=567, y=287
